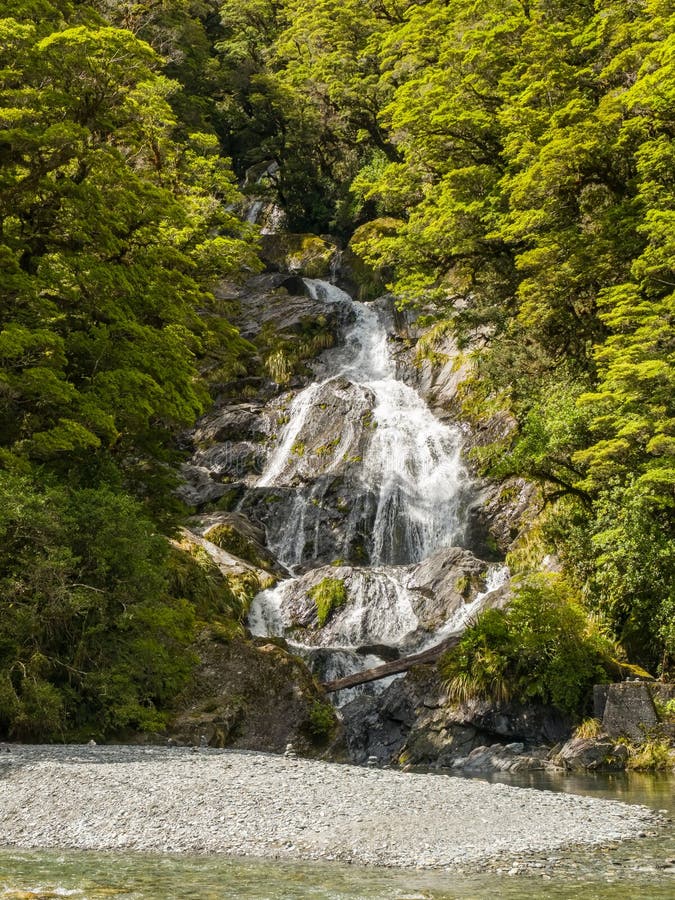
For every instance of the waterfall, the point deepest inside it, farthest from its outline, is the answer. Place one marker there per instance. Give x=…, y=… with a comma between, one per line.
x=411, y=465
x=407, y=491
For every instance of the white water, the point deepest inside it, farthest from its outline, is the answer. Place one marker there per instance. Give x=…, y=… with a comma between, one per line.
x=412, y=462
x=410, y=473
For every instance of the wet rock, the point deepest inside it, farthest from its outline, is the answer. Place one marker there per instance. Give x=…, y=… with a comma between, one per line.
x=231, y=460
x=530, y=723
x=370, y=731
x=446, y=582
x=282, y=303
x=498, y=758
x=395, y=607
x=198, y=486
x=237, y=422
x=231, y=566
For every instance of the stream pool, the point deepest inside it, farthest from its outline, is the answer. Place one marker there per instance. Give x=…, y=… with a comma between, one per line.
x=644, y=869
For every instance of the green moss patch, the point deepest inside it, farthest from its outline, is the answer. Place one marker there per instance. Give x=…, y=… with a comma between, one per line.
x=328, y=595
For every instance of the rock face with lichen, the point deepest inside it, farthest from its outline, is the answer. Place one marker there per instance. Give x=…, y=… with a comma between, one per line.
x=256, y=696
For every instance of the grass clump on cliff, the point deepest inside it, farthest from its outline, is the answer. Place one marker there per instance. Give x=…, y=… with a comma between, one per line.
x=328, y=595
x=543, y=648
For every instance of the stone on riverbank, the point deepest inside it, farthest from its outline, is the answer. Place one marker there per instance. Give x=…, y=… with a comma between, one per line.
x=250, y=804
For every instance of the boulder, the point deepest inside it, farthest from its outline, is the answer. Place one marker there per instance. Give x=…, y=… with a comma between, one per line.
x=362, y=280
x=236, y=534
x=499, y=758
x=592, y=755
x=236, y=422
x=280, y=302
x=253, y=697
x=531, y=723
x=628, y=709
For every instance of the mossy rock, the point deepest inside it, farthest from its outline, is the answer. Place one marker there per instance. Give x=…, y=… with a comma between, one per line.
x=248, y=695
x=229, y=538
x=299, y=254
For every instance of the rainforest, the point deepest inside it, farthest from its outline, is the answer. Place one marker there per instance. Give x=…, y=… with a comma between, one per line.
x=502, y=172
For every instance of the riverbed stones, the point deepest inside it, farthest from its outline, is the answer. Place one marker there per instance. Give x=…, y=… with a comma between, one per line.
x=251, y=804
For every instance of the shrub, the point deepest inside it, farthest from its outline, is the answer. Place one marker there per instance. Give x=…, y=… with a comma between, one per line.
x=589, y=728
x=543, y=648
x=654, y=755
x=321, y=720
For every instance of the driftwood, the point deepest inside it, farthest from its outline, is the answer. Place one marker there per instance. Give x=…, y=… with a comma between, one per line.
x=392, y=668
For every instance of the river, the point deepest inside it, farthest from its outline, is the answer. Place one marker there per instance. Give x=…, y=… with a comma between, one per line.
x=644, y=868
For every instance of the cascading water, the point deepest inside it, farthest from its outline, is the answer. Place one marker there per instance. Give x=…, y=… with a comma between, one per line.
x=408, y=499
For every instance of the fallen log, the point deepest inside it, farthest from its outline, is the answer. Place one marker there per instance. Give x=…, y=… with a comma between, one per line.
x=392, y=668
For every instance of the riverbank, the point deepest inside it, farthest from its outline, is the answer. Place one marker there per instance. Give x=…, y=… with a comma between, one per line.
x=253, y=804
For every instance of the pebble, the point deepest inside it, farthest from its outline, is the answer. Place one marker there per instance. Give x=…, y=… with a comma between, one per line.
x=256, y=804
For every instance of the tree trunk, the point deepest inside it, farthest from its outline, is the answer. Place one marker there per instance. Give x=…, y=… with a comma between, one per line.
x=392, y=668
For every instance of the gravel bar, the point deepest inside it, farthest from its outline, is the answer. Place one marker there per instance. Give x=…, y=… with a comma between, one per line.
x=256, y=804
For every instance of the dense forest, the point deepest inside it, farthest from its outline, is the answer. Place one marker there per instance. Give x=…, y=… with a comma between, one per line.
x=507, y=168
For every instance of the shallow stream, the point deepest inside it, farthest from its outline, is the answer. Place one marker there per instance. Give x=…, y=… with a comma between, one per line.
x=644, y=869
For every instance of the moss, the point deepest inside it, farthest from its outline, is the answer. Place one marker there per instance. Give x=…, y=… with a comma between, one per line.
x=229, y=538
x=303, y=254
x=463, y=585
x=224, y=632
x=298, y=449
x=369, y=275
x=215, y=596
x=327, y=449
x=328, y=595
x=665, y=709
x=226, y=502
x=195, y=577
x=621, y=670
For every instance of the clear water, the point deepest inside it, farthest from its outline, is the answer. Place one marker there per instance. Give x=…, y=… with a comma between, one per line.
x=642, y=869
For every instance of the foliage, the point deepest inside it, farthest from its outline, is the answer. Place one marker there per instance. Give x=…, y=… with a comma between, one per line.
x=322, y=721
x=543, y=648
x=589, y=728
x=90, y=638
x=116, y=222
x=653, y=755
x=328, y=595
